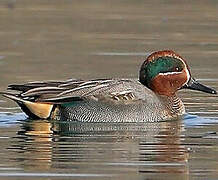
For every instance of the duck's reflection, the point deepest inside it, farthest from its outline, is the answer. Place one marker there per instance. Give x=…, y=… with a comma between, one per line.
x=113, y=147
x=35, y=142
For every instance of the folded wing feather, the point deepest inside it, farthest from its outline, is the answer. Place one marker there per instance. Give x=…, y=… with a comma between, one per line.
x=73, y=90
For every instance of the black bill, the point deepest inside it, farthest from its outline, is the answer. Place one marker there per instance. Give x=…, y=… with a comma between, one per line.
x=195, y=85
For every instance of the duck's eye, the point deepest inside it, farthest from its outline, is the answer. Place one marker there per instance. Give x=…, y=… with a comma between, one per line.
x=177, y=69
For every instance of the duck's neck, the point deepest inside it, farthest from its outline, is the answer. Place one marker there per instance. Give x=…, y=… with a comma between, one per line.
x=173, y=103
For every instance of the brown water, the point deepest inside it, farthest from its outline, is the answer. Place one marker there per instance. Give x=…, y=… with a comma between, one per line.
x=90, y=39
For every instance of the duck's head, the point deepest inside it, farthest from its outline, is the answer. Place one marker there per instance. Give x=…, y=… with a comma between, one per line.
x=165, y=72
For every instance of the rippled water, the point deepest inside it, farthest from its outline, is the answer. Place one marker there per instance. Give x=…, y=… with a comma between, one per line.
x=91, y=39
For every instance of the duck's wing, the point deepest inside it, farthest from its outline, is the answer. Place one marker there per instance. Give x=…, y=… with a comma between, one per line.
x=116, y=90
x=107, y=90
x=39, y=84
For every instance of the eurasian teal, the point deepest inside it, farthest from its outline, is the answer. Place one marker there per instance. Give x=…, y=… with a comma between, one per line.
x=151, y=98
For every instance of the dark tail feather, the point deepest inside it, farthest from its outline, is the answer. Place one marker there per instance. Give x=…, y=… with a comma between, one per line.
x=32, y=109
x=20, y=87
x=32, y=85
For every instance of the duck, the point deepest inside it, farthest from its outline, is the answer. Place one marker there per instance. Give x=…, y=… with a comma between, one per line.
x=150, y=98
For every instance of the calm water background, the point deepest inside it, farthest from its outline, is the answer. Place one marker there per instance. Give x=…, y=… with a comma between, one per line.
x=90, y=39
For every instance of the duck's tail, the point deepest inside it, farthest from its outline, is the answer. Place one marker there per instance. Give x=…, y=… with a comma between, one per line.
x=32, y=109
